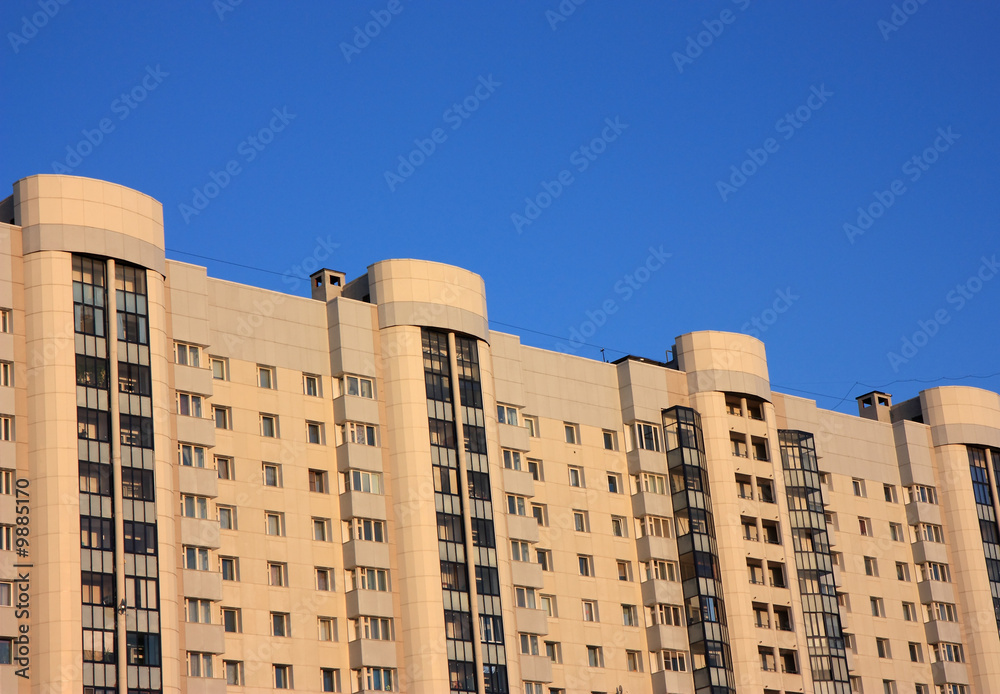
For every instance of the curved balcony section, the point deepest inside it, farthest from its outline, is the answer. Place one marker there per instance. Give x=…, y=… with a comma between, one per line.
x=725, y=362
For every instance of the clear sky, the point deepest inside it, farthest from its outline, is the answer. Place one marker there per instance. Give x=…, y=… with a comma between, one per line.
x=618, y=172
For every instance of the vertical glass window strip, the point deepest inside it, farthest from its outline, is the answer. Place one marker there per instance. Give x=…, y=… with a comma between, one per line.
x=708, y=633
x=983, y=494
x=814, y=563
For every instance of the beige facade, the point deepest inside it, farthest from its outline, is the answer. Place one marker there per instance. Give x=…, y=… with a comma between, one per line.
x=210, y=487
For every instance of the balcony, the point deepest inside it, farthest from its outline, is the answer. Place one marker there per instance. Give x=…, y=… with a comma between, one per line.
x=531, y=621
x=369, y=653
x=641, y=460
x=650, y=547
x=359, y=457
x=373, y=603
x=920, y=512
x=205, y=685
x=206, y=585
x=363, y=553
x=536, y=668
x=352, y=408
x=649, y=504
x=518, y=482
x=522, y=528
x=362, y=505
x=192, y=379
x=200, y=533
x=200, y=481
x=197, y=430
x=661, y=591
x=204, y=638
x=945, y=672
x=514, y=437
x=661, y=636
x=523, y=573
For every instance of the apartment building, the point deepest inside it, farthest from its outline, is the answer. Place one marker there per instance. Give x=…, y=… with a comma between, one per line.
x=210, y=487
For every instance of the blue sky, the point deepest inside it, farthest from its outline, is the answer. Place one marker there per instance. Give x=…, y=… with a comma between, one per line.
x=619, y=174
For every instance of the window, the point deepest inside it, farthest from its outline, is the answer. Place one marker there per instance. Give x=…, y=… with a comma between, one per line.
x=6, y=481
x=520, y=551
x=896, y=532
x=669, y=615
x=595, y=656
x=367, y=578
x=738, y=443
x=220, y=368
x=761, y=616
x=6, y=651
x=536, y=470
x=660, y=570
x=776, y=571
x=314, y=433
x=366, y=530
x=321, y=529
x=507, y=415
x=225, y=468
x=675, y=661
x=357, y=386
x=549, y=605
x=624, y=570
x=272, y=474
x=5, y=321
x=789, y=662
x=6, y=373
x=524, y=597
x=610, y=440
x=277, y=573
x=363, y=481
x=324, y=578
x=865, y=526
x=230, y=568
x=517, y=505
x=553, y=651
x=274, y=523
x=196, y=558
x=909, y=612
x=653, y=526
x=540, y=513
x=194, y=506
x=586, y=564
x=619, y=528
x=310, y=385
x=190, y=455
x=511, y=459
x=750, y=529
x=581, y=521
x=615, y=483
x=844, y=601
x=630, y=616
x=734, y=406
x=890, y=493
x=759, y=446
x=187, y=355
x=6, y=593
x=934, y=571
x=928, y=532
x=234, y=672
x=232, y=619
x=765, y=490
x=329, y=679
x=283, y=677
x=269, y=426
x=572, y=433
x=882, y=646
x=198, y=611
x=782, y=618
x=922, y=493
x=529, y=644
x=902, y=571
x=889, y=687
x=576, y=476
x=878, y=607
x=767, y=661
x=859, y=487
x=199, y=664
x=544, y=558
x=265, y=376
x=856, y=686
x=223, y=417
x=772, y=535
x=871, y=566
x=633, y=661
x=744, y=487
x=531, y=424
x=376, y=679
x=189, y=404
x=361, y=434
x=756, y=571
x=755, y=409
x=646, y=436
x=318, y=482
x=948, y=652
x=589, y=611
x=653, y=484
x=944, y=611
x=280, y=624
x=916, y=652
